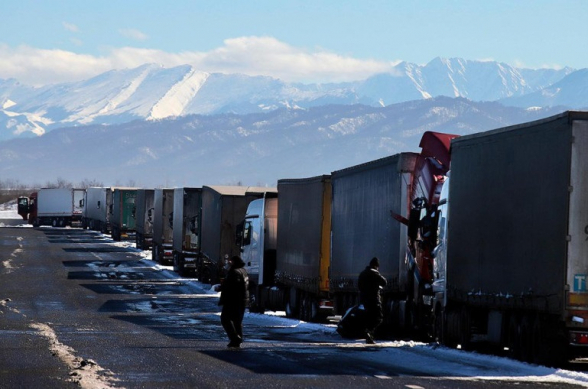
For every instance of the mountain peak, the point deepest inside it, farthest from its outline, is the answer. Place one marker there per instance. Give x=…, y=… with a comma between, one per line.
x=152, y=91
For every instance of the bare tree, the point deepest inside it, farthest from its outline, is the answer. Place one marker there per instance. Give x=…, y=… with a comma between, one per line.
x=60, y=183
x=87, y=183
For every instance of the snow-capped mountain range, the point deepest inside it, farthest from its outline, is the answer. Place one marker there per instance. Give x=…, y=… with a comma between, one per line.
x=153, y=93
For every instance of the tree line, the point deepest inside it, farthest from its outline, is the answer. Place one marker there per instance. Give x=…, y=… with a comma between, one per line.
x=11, y=189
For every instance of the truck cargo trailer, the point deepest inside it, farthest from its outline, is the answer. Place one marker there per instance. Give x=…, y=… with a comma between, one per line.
x=301, y=285
x=362, y=226
x=144, y=219
x=223, y=209
x=123, y=213
x=56, y=207
x=512, y=257
x=163, y=219
x=96, y=211
x=187, y=231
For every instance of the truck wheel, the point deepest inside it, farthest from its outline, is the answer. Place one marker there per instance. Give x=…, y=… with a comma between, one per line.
x=205, y=276
x=464, y=329
x=178, y=264
x=538, y=349
x=115, y=234
x=526, y=339
x=291, y=303
x=303, y=309
x=290, y=310
x=314, y=310
x=308, y=308
x=513, y=338
x=452, y=327
x=438, y=335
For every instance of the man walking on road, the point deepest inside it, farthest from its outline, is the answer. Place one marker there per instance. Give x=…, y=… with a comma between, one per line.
x=234, y=299
x=370, y=283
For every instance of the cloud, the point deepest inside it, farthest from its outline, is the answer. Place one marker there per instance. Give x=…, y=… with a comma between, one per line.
x=517, y=63
x=268, y=56
x=70, y=27
x=40, y=66
x=133, y=34
x=246, y=55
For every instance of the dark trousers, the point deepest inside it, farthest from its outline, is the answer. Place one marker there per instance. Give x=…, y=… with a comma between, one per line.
x=232, y=321
x=373, y=317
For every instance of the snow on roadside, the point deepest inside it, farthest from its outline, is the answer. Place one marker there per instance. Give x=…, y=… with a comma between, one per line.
x=9, y=210
x=86, y=373
x=9, y=216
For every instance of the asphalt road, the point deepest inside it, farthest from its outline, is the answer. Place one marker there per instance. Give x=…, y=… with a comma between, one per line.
x=78, y=311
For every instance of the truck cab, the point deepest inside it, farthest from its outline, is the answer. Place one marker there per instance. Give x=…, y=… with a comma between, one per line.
x=440, y=259
x=23, y=207
x=257, y=236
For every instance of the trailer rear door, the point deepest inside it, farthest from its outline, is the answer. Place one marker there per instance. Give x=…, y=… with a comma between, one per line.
x=577, y=271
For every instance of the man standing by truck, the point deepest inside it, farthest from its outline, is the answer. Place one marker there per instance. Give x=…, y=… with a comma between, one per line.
x=370, y=283
x=234, y=298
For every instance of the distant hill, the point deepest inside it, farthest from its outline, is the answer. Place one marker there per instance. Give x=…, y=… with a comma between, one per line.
x=251, y=149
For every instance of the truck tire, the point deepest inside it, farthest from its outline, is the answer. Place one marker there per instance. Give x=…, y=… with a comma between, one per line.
x=438, y=327
x=292, y=303
x=205, y=275
x=513, y=337
x=464, y=329
x=526, y=338
x=315, y=315
x=178, y=264
x=309, y=310
x=115, y=234
x=452, y=327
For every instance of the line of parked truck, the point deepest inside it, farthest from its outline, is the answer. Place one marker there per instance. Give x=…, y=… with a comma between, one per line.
x=482, y=238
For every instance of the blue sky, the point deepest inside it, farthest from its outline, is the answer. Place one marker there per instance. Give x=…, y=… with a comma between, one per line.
x=45, y=41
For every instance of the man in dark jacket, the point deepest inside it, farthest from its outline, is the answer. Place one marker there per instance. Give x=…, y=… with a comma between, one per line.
x=370, y=283
x=234, y=299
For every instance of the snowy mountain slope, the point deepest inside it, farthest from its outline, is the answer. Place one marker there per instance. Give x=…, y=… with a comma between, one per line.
x=255, y=149
x=571, y=91
x=153, y=92
x=179, y=96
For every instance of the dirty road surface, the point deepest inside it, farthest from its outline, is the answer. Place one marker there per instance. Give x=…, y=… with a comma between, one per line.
x=78, y=310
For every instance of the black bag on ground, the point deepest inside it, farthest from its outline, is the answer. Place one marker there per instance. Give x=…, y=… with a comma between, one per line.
x=352, y=324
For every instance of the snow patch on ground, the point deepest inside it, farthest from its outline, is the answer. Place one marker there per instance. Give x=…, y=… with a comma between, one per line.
x=87, y=373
